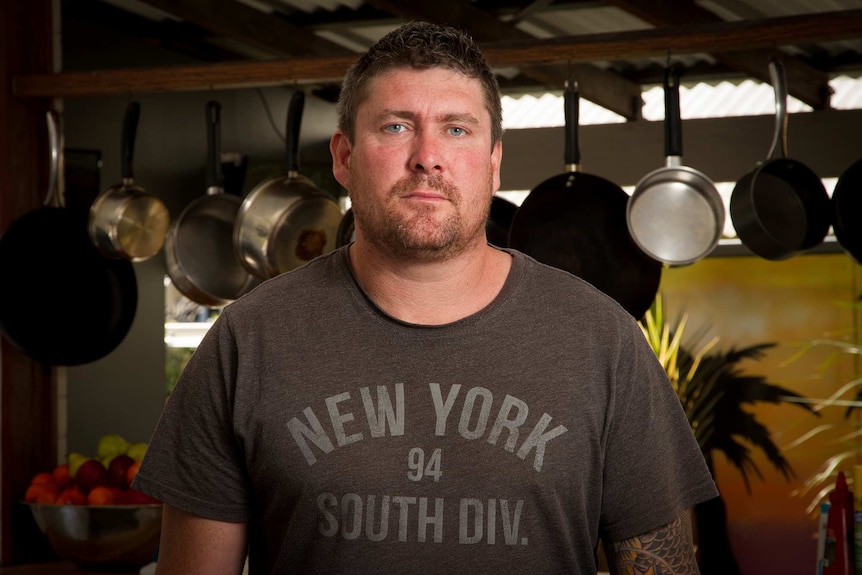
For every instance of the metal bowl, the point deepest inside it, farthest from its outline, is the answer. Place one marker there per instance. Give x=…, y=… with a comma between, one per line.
x=102, y=537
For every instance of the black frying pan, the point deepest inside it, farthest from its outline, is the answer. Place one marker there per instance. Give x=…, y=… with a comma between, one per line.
x=577, y=222
x=847, y=211
x=500, y=221
x=780, y=209
x=66, y=304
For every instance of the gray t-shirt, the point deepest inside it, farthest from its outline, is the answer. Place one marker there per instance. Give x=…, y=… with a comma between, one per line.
x=351, y=442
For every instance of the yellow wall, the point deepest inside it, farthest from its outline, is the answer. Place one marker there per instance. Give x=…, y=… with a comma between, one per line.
x=748, y=300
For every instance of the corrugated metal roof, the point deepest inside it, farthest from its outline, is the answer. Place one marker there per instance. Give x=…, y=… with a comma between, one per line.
x=724, y=99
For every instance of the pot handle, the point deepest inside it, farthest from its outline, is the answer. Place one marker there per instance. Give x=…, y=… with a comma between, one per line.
x=215, y=180
x=291, y=132
x=571, y=108
x=779, y=83
x=672, y=116
x=54, y=199
x=130, y=129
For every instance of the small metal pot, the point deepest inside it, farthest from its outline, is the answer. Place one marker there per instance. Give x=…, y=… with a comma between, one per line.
x=675, y=215
x=285, y=222
x=126, y=221
x=199, y=254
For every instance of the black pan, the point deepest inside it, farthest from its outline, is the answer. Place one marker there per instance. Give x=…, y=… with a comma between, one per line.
x=780, y=209
x=67, y=304
x=500, y=221
x=847, y=211
x=577, y=222
x=199, y=251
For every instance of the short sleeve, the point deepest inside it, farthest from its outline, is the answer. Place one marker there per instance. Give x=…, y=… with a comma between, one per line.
x=194, y=461
x=653, y=466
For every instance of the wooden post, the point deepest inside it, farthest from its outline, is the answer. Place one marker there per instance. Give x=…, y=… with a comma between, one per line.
x=28, y=421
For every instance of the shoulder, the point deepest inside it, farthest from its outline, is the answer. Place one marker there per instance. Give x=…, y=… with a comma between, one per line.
x=289, y=298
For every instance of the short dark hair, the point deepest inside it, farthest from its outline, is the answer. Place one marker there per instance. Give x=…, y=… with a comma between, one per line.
x=419, y=45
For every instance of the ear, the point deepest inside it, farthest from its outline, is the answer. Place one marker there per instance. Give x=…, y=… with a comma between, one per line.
x=496, y=161
x=340, y=148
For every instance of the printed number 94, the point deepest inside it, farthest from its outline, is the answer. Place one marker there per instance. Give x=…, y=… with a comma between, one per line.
x=418, y=467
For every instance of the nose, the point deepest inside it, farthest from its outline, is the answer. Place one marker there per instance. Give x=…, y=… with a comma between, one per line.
x=426, y=155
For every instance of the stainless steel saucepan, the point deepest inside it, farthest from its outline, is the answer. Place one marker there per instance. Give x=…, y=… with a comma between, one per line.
x=286, y=221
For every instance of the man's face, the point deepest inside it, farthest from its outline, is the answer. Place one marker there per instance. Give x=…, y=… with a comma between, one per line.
x=421, y=170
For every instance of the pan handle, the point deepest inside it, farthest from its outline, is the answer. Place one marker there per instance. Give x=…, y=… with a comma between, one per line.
x=53, y=199
x=215, y=181
x=672, y=116
x=571, y=108
x=779, y=82
x=291, y=132
x=130, y=129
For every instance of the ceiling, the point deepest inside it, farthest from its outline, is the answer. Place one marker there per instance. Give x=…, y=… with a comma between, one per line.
x=612, y=47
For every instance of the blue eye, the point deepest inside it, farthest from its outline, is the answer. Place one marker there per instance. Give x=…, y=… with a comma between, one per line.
x=395, y=128
x=456, y=131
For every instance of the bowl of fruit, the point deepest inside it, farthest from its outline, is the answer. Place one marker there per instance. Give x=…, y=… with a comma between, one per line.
x=91, y=515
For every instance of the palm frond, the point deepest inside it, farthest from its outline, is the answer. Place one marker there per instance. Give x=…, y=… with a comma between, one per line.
x=713, y=389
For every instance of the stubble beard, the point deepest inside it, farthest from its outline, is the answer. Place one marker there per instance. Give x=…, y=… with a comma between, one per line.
x=424, y=233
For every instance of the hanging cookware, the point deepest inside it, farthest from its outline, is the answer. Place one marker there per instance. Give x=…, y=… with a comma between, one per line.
x=499, y=222
x=847, y=211
x=577, y=222
x=92, y=299
x=675, y=214
x=285, y=222
x=780, y=208
x=125, y=220
x=199, y=252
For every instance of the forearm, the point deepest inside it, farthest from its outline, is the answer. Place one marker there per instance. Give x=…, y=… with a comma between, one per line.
x=668, y=550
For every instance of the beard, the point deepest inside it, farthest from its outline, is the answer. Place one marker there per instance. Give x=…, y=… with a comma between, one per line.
x=425, y=231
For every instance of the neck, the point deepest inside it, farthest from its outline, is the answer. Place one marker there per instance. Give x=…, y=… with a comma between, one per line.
x=431, y=292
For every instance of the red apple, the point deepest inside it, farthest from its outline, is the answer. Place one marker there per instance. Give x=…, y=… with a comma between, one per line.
x=91, y=474
x=117, y=471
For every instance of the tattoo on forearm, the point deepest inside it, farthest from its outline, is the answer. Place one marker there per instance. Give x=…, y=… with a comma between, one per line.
x=668, y=550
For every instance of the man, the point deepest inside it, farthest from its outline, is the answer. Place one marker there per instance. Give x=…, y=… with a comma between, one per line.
x=421, y=401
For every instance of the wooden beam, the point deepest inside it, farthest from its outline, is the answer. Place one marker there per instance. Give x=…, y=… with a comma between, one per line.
x=715, y=38
x=602, y=87
x=267, y=32
x=803, y=81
